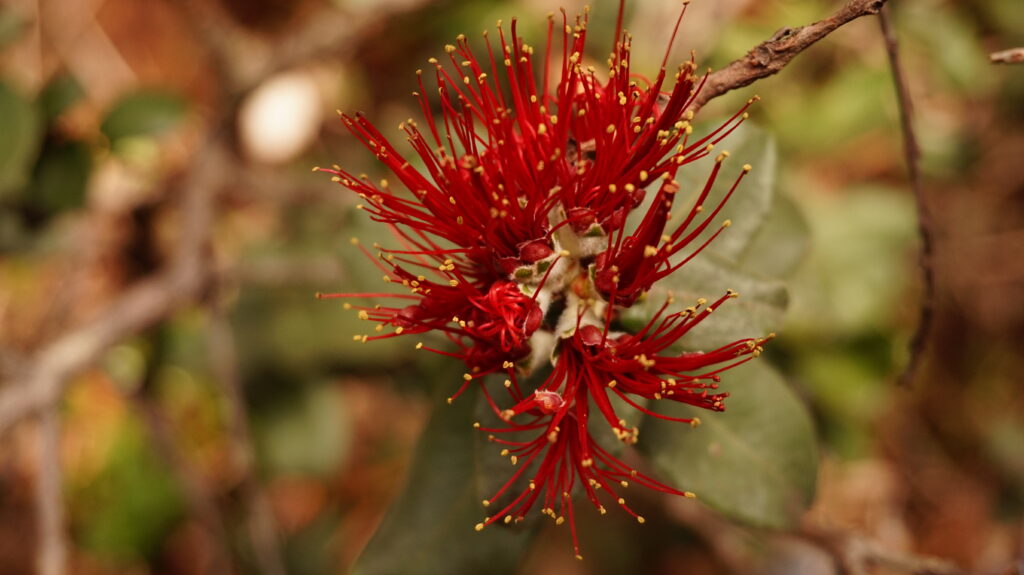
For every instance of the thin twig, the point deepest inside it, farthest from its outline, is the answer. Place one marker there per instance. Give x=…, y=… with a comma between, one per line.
x=200, y=501
x=859, y=555
x=912, y=157
x=49, y=372
x=52, y=549
x=262, y=524
x=772, y=55
x=1011, y=56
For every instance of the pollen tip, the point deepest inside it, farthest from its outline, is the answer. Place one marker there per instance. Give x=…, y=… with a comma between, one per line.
x=640, y=519
x=479, y=527
x=726, y=223
x=747, y=167
x=450, y=400
x=486, y=503
x=476, y=425
x=579, y=557
x=316, y=168
x=689, y=495
x=419, y=345
x=318, y=295
x=354, y=241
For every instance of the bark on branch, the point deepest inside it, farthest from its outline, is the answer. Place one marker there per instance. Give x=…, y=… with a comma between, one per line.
x=772, y=55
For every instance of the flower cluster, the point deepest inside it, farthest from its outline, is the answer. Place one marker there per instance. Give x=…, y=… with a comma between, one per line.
x=538, y=211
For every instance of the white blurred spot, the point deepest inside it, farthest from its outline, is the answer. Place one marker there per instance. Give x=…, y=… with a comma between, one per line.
x=281, y=118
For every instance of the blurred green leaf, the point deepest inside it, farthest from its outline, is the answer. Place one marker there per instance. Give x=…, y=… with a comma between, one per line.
x=430, y=526
x=143, y=113
x=856, y=273
x=61, y=177
x=850, y=102
x=780, y=244
x=19, y=140
x=12, y=231
x=12, y=25
x=756, y=462
x=309, y=434
x=59, y=94
x=128, y=510
x=292, y=328
x=949, y=43
x=749, y=204
x=845, y=385
x=757, y=311
x=311, y=550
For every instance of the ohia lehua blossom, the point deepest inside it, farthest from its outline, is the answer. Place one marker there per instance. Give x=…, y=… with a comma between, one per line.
x=530, y=207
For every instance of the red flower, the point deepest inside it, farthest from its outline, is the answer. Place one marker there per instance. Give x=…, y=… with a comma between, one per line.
x=516, y=245
x=595, y=365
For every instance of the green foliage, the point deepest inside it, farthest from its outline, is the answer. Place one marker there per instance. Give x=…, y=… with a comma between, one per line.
x=143, y=113
x=751, y=201
x=58, y=95
x=11, y=26
x=60, y=177
x=128, y=510
x=307, y=434
x=853, y=281
x=429, y=528
x=756, y=462
x=757, y=311
x=19, y=140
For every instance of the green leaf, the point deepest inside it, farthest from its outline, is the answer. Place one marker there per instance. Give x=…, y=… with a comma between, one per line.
x=60, y=94
x=780, y=245
x=61, y=177
x=143, y=113
x=749, y=205
x=308, y=435
x=855, y=278
x=19, y=140
x=756, y=462
x=430, y=526
x=12, y=25
x=132, y=505
x=756, y=312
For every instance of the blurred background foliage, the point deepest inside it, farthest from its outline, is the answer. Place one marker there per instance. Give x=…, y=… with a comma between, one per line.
x=103, y=103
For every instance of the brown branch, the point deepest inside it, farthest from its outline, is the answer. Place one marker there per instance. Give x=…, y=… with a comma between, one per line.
x=740, y=548
x=772, y=55
x=912, y=157
x=261, y=522
x=52, y=548
x=48, y=373
x=198, y=497
x=1011, y=56
x=859, y=555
